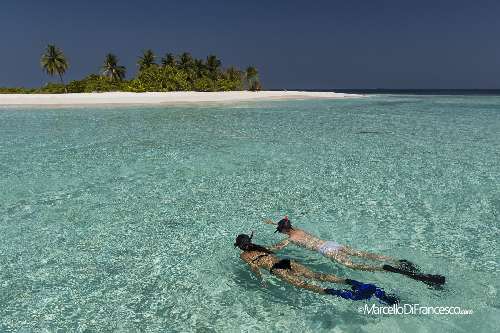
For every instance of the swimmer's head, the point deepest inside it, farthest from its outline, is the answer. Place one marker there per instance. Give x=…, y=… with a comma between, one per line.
x=284, y=225
x=243, y=241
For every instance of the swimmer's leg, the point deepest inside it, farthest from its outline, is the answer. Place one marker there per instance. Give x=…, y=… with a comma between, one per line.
x=343, y=259
x=367, y=255
x=289, y=276
x=401, y=263
x=301, y=270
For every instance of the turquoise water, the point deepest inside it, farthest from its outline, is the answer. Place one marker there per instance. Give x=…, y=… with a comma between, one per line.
x=123, y=218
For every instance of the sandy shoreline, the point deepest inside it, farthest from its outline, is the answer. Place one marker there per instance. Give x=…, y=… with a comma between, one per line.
x=161, y=97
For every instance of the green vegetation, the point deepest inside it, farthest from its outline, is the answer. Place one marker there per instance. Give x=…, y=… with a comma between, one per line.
x=97, y=83
x=186, y=73
x=7, y=90
x=173, y=73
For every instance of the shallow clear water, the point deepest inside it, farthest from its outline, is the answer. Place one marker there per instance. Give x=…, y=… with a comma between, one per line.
x=124, y=218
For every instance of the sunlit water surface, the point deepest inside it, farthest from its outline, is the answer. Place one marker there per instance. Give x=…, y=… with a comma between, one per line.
x=123, y=218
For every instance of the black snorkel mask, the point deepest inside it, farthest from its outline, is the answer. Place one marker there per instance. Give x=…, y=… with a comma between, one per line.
x=283, y=224
x=243, y=240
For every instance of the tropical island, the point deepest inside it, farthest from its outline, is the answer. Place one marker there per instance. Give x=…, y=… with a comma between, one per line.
x=173, y=73
x=172, y=79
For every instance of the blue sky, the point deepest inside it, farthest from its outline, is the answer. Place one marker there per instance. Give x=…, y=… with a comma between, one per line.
x=294, y=44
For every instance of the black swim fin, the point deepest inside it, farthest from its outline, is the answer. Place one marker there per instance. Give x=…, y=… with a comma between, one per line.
x=429, y=279
x=408, y=266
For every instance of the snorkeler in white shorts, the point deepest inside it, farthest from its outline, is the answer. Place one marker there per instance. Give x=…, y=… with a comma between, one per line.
x=343, y=254
x=329, y=248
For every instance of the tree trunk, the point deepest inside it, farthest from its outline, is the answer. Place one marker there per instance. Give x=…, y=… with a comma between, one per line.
x=65, y=89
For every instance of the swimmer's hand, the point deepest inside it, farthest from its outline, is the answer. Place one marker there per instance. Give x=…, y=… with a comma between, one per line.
x=280, y=245
x=270, y=222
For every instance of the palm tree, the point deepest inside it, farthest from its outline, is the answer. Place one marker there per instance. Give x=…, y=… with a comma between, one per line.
x=213, y=65
x=146, y=60
x=111, y=69
x=168, y=60
x=54, y=62
x=186, y=60
x=252, y=78
x=233, y=73
x=200, y=68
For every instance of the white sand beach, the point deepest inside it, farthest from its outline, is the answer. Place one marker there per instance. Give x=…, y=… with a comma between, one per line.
x=161, y=97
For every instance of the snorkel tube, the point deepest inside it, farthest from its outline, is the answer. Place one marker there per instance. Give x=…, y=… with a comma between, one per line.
x=243, y=240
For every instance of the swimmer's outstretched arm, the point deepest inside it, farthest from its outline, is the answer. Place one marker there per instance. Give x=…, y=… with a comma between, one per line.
x=280, y=245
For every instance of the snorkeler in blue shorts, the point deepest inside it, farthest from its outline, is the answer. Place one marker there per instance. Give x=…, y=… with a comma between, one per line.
x=258, y=257
x=343, y=254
